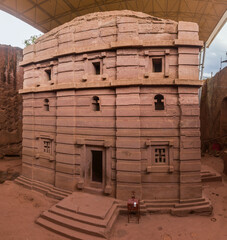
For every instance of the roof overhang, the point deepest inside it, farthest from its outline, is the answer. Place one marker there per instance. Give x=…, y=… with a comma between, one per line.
x=48, y=14
x=217, y=29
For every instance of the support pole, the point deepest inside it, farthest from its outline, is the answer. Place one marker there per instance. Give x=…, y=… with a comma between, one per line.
x=203, y=61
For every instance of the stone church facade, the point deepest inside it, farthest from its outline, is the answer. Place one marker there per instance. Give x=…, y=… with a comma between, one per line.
x=110, y=106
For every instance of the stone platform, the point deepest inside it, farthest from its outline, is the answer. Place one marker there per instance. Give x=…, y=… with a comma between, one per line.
x=47, y=189
x=81, y=216
x=208, y=174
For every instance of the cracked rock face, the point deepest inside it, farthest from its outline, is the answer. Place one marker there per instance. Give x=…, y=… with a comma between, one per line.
x=213, y=113
x=11, y=80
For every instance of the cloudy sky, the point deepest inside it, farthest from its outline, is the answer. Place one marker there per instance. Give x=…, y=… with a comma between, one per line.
x=14, y=32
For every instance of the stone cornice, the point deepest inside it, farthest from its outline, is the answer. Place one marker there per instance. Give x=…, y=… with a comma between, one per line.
x=54, y=53
x=115, y=83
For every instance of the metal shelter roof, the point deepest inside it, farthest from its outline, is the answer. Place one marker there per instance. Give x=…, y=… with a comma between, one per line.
x=48, y=14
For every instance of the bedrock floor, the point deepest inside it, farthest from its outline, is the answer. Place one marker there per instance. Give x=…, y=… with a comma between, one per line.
x=21, y=205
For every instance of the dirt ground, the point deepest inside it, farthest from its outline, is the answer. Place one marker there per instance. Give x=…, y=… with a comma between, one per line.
x=19, y=207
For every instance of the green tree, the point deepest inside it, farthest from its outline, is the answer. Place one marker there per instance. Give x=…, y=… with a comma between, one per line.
x=31, y=40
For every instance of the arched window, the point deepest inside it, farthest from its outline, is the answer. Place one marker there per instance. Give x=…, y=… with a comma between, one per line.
x=159, y=102
x=46, y=105
x=95, y=103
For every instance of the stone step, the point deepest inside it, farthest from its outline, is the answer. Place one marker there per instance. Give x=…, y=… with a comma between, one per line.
x=44, y=188
x=63, y=191
x=96, y=191
x=183, y=205
x=74, y=225
x=85, y=219
x=159, y=205
x=83, y=213
x=40, y=189
x=158, y=210
x=55, y=195
x=205, y=209
x=23, y=183
x=23, y=179
x=169, y=201
x=212, y=179
x=207, y=176
x=202, y=199
x=66, y=232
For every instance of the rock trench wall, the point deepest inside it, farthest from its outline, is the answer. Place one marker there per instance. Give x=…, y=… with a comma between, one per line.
x=213, y=110
x=11, y=80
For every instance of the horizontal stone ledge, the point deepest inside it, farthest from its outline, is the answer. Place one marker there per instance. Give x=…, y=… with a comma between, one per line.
x=188, y=42
x=115, y=83
x=105, y=47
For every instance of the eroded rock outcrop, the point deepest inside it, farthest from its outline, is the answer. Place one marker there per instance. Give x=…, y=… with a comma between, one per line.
x=214, y=111
x=11, y=80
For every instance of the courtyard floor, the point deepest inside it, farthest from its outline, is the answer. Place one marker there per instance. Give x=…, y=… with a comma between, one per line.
x=19, y=207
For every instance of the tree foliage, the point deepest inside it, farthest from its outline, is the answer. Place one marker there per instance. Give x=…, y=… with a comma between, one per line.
x=31, y=40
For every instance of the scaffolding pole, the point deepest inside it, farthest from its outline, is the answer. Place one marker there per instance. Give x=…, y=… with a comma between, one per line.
x=203, y=60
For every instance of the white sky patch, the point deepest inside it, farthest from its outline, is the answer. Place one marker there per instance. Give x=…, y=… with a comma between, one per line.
x=14, y=31
x=215, y=53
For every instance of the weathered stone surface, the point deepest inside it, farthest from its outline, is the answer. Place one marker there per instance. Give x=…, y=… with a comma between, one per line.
x=213, y=111
x=118, y=96
x=11, y=80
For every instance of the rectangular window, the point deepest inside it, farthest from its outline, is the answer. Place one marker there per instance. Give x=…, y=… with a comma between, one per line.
x=97, y=69
x=48, y=73
x=47, y=146
x=157, y=64
x=160, y=155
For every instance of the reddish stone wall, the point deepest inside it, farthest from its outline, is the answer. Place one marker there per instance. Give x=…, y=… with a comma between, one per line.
x=59, y=70
x=11, y=80
x=214, y=110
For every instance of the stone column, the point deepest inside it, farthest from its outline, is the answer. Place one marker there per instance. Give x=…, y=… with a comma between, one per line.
x=190, y=156
x=128, y=152
x=66, y=158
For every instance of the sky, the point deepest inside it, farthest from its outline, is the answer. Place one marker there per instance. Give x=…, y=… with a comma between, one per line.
x=15, y=31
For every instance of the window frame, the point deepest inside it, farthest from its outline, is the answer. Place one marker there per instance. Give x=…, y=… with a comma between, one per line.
x=153, y=166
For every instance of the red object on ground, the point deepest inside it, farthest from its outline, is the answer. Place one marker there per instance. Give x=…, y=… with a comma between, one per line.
x=134, y=207
x=216, y=146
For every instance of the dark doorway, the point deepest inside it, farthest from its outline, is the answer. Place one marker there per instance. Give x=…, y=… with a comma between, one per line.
x=97, y=166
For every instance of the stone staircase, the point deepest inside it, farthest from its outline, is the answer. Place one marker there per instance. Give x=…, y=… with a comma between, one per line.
x=88, y=216
x=81, y=216
x=47, y=189
x=200, y=206
x=159, y=206
x=207, y=176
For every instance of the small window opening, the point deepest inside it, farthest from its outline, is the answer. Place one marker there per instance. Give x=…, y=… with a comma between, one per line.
x=157, y=64
x=96, y=67
x=46, y=105
x=96, y=104
x=159, y=102
x=48, y=72
x=160, y=155
x=46, y=146
x=97, y=166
